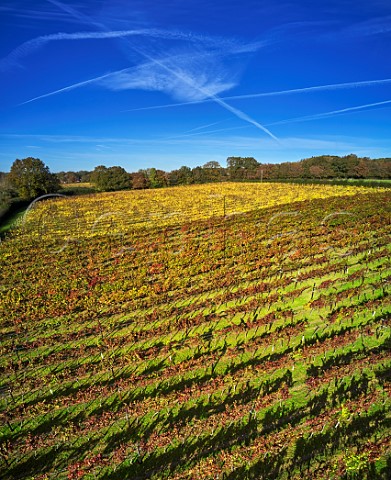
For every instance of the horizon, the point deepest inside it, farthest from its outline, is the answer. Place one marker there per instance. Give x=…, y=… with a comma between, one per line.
x=153, y=86
x=224, y=167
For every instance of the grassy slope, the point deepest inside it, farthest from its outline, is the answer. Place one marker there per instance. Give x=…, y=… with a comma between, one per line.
x=11, y=215
x=219, y=347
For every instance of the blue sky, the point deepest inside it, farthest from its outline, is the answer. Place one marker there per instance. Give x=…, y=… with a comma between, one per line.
x=143, y=83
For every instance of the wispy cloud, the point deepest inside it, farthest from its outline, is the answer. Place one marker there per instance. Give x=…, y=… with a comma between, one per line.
x=305, y=118
x=102, y=148
x=316, y=88
x=373, y=26
x=331, y=114
x=202, y=127
x=36, y=14
x=185, y=76
x=184, y=80
x=50, y=138
x=215, y=43
x=195, y=133
x=192, y=86
x=250, y=141
x=169, y=153
x=75, y=14
x=205, y=70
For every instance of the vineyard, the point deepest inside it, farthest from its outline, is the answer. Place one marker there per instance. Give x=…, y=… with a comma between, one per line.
x=231, y=331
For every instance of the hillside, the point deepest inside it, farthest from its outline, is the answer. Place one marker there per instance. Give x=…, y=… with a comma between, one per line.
x=228, y=331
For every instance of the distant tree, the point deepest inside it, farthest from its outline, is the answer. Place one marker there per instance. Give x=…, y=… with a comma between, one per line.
x=172, y=178
x=139, y=180
x=212, y=164
x=317, y=171
x=162, y=177
x=386, y=167
x=110, y=179
x=156, y=178
x=213, y=172
x=7, y=193
x=265, y=171
x=152, y=178
x=183, y=176
x=30, y=177
x=295, y=170
x=342, y=166
x=241, y=167
x=68, y=177
x=98, y=176
x=61, y=176
x=199, y=174
x=361, y=170
x=320, y=167
x=72, y=177
x=84, y=176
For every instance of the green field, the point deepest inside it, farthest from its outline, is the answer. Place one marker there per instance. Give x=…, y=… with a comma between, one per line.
x=253, y=345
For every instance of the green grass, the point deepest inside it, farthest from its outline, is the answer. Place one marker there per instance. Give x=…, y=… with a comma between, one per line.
x=11, y=217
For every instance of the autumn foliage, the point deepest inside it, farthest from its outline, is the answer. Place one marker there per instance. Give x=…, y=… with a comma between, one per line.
x=220, y=331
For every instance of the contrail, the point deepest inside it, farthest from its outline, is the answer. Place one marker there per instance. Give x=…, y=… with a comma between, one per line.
x=329, y=114
x=207, y=132
x=292, y=120
x=333, y=86
x=74, y=86
x=97, y=79
x=203, y=126
x=26, y=48
x=76, y=14
x=238, y=113
x=243, y=116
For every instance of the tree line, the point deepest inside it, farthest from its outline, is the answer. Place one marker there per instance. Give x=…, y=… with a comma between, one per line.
x=323, y=167
x=30, y=177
